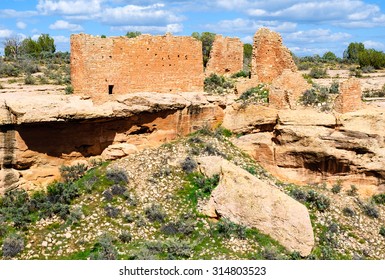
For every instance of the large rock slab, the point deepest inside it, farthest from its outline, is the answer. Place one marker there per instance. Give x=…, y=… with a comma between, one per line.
x=244, y=199
x=250, y=119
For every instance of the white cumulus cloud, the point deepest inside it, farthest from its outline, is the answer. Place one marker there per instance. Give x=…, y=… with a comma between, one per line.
x=374, y=45
x=4, y=33
x=318, y=36
x=21, y=25
x=139, y=15
x=65, y=25
x=61, y=39
x=69, y=7
x=241, y=25
x=172, y=28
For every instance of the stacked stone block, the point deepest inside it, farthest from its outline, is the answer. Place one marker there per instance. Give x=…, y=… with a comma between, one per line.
x=120, y=65
x=226, y=56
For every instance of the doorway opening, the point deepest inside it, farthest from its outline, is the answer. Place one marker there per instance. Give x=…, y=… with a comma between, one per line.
x=110, y=89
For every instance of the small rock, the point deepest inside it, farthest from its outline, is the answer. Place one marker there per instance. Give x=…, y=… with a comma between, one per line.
x=44, y=244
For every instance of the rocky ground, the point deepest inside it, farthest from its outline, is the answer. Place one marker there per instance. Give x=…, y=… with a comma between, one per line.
x=157, y=180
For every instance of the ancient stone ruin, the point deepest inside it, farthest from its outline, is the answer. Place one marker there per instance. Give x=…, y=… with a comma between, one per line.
x=226, y=56
x=286, y=90
x=270, y=57
x=119, y=65
x=349, y=99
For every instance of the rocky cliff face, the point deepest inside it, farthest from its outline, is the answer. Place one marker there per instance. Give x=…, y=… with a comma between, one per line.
x=39, y=134
x=306, y=146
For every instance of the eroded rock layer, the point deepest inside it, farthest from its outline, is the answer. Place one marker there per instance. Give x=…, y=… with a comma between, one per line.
x=38, y=137
x=306, y=146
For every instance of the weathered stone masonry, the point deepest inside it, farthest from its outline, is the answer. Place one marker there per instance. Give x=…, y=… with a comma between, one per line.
x=119, y=65
x=270, y=57
x=226, y=56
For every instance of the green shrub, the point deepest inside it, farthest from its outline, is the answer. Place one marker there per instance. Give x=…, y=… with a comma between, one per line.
x=177, y=249
x=349, y=212
x=29, y=80
x=269, y=253
x=382, y=231
x=72, y=173
x=140, y=221
x=368, y=69
x=107, y=194
x=336, y=188
x=189, y=165
x=258, y=94
x=118, y=190
x=111, y=211
x=353, y=190
x=370, y=210
x=69, y=89
x=212, y=151
x=9, y=70
x=217, y=84
x=62, y=192
x=117, y=175
x=370, y=93
x=155, y=213
x=104, y=249
x=318, y=73
x=3, y=229
x=315, y=96
x=183, y=227
x=12, y=245
x=226, y=228
x=239, y=74
x=334, y=88
x=125, y=237
x=14, y=207
x=298, y=194
x=128, y=218
x=221, y=132
x=379, y=198
x=75, y=215
x=170, y=229
x=313, y=199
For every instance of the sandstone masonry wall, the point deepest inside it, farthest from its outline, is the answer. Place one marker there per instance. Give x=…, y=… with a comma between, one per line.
x=286, y=90
x=270, y=57
x=226, y=56
x=349, y=99
x=118, y=65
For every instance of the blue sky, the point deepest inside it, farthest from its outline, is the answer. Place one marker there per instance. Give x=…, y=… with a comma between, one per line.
x=307, y=27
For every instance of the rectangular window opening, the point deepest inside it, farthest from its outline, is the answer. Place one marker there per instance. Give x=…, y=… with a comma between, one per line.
x=110, y=89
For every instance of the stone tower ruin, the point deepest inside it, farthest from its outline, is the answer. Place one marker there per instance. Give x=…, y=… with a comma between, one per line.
x=270, y=56
x=226, y=56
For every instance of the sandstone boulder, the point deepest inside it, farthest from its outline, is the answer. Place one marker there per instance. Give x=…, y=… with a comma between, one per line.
x=244, y=199
x=116, y=151
x=249, y=119
x=259, y=146
x=9, y=179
